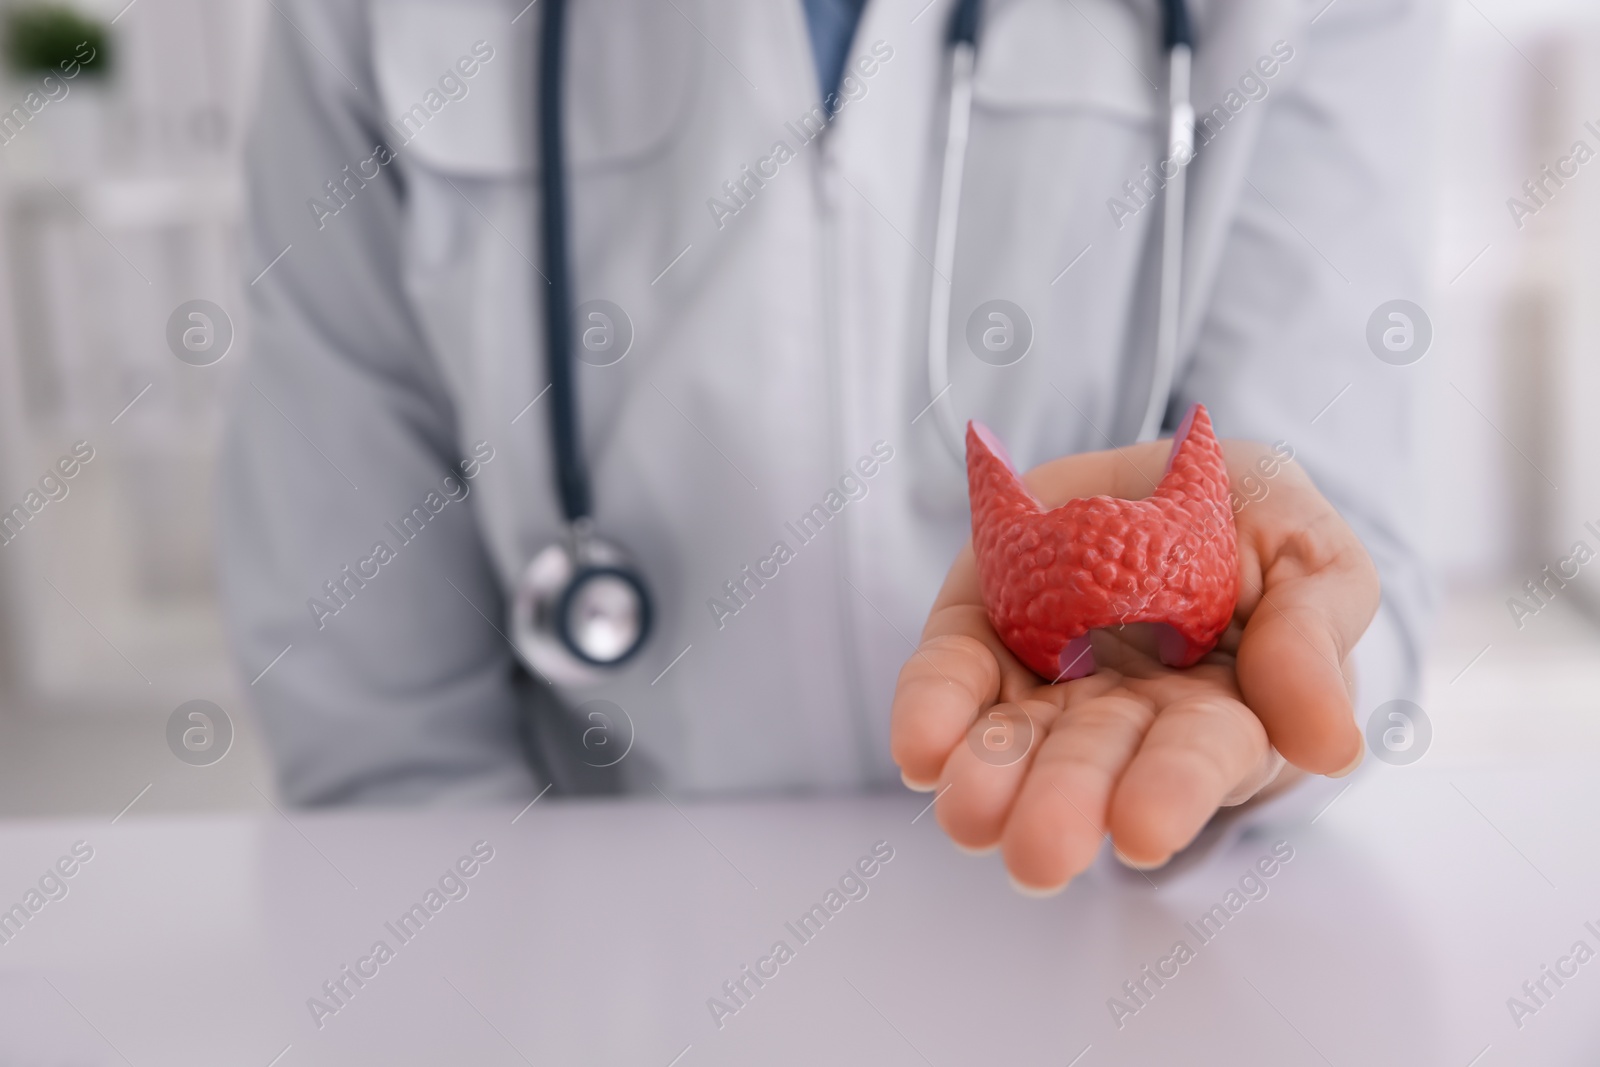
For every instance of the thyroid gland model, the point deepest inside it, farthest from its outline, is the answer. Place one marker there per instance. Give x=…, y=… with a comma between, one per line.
x=1049, y=577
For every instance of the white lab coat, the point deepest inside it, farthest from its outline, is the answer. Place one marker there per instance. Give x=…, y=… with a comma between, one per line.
x=774, y=347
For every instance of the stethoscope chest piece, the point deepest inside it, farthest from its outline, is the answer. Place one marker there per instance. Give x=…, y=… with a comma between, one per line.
x=580, y=609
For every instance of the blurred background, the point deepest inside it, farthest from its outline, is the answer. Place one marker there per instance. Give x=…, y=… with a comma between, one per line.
x=120, y=200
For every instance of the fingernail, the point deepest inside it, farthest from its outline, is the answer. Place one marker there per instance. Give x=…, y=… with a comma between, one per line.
x=971, y=851
x=918, y=787
x=1126, y=862
x=1034, y=891
x=1361, y=754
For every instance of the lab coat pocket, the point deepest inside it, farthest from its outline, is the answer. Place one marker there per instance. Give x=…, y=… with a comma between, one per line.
x=457, y=80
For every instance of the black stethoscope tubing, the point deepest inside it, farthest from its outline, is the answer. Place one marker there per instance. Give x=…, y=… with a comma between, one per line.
x=572, y=477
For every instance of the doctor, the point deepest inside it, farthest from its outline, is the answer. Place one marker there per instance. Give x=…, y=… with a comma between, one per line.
x=665, y=315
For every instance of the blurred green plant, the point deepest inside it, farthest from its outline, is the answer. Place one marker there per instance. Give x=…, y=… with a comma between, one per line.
x=53, y=38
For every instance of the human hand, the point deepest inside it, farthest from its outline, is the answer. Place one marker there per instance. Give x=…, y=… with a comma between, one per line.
x=1139, y=752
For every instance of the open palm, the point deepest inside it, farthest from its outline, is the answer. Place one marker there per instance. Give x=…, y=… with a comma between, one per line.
x=1138, y=751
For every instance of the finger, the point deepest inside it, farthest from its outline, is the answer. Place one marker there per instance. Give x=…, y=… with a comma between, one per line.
x=940, y=690
x=984, y=773
x=1058, y=821
x=958, y=668
x=959, y=609
x=1199, y=752
x=1318, y=593
x=1273, y=771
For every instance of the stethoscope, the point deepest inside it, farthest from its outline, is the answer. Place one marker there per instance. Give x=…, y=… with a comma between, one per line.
x=1178, y=39
x=581, y=606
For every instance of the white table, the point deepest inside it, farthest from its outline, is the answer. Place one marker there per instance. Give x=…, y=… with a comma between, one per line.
x=1410, y=912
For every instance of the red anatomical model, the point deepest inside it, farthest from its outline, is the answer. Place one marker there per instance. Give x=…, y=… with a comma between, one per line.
x=1049, y=577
